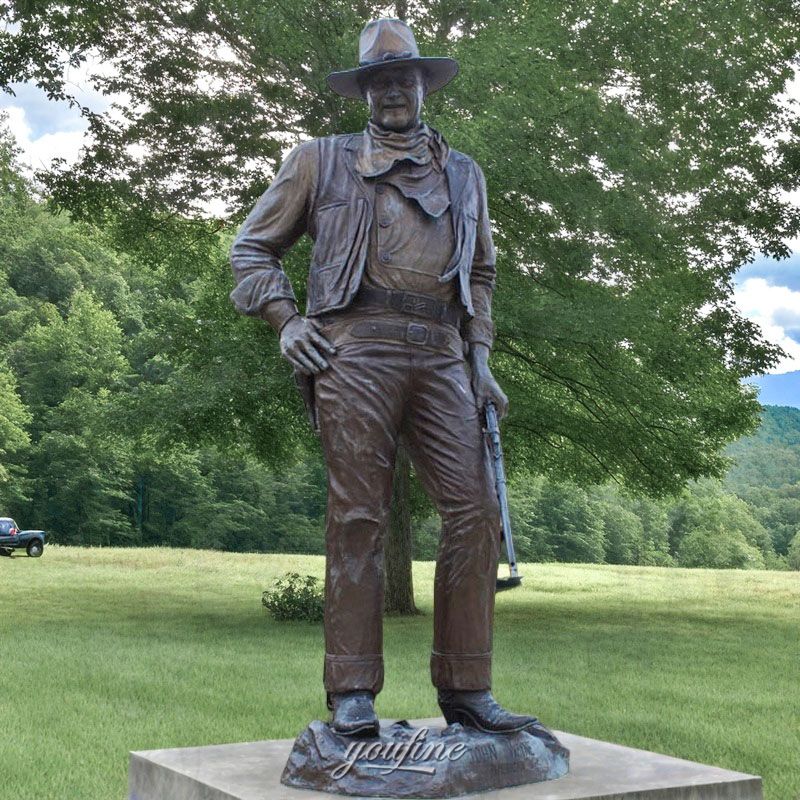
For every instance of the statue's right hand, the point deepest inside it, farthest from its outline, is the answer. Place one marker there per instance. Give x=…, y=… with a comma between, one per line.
x=304, y=347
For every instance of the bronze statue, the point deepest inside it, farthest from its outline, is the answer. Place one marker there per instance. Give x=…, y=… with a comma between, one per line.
x=396, y=338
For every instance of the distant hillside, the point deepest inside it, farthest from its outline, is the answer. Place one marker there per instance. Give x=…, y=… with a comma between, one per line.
x=771, y=457
x=778, y=390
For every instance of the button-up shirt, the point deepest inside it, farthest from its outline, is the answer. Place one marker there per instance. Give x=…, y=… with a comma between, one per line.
x=410, y=248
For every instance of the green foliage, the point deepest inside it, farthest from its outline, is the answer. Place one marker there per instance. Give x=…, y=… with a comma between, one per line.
x=635, y=154
x=295, y=597
x=771, y=456
x=766, y=474
x=14, y=421
x=125, y=378
x=627, y=150
x=718, y=548
x=564, y=528
x=100, y=442
x=624, y=534
x=706, y=507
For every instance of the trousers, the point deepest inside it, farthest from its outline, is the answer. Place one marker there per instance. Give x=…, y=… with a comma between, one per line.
x=371, y=392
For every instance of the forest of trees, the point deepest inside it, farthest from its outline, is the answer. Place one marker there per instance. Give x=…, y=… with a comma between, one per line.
x=96, y=452
x=636, y=155
x=93, y=415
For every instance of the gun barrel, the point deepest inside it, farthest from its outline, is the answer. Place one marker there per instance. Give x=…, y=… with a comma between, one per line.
x=493, y=429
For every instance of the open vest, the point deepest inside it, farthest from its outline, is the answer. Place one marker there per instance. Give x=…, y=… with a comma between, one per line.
x=341, y=214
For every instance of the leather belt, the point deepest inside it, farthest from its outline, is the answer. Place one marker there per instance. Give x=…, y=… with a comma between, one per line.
x=420, y=305
x=412, y=332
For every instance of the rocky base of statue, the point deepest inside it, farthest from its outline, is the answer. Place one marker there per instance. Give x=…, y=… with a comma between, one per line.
x=407, y=761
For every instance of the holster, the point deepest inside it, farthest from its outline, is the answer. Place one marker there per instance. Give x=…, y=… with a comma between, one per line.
x=305, y=383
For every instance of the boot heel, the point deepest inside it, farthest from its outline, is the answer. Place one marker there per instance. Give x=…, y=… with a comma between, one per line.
x=452, y=715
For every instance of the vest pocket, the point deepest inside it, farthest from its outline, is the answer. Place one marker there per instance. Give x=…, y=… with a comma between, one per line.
x=320, y=279
x=333, y=224
x=339, y=248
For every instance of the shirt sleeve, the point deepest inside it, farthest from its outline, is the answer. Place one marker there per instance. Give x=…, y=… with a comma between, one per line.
x=482, y=276
x=278, y=220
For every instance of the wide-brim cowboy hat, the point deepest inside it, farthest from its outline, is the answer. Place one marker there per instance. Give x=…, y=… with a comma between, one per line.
x=389, y=43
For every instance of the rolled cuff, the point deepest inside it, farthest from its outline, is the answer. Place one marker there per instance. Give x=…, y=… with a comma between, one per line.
x=479, y=331
x=279, y=312
x=480, y=327
x=483, y=275
x=464, y=672
x=349, y=673
x=257, y=289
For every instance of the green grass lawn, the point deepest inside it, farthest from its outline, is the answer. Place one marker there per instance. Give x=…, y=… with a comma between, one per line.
x=103, y=651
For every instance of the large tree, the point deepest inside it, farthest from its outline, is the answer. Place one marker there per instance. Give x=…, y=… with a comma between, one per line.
x=636, y=155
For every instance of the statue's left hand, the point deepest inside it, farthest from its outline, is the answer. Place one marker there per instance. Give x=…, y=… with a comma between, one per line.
x=486, y=388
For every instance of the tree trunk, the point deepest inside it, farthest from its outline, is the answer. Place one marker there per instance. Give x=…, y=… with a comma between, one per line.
x=401, y=9
x=399, y=598
x=138, y=511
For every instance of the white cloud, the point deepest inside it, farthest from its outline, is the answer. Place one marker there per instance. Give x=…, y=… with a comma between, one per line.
x=38, y=152
x=776, y=310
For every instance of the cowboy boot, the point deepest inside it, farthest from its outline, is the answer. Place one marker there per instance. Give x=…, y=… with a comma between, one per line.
x=478, y=709
x=353, y=713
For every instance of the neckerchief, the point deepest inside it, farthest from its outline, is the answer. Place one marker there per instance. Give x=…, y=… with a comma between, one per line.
x=421, y=154
x=381, y=148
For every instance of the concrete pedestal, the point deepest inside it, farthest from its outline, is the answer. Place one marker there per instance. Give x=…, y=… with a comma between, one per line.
x=252, y=771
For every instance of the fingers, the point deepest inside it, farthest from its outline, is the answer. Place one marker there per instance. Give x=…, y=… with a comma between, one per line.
x=481, y=398
x=314, y=355
x=307, y=357
x=303, y=363
x=321, y=342
x=500, y=400
x=303, y=350
x=502, y=406
x=488, y=391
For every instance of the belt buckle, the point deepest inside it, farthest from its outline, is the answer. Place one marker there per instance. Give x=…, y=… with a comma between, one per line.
x=416, y=333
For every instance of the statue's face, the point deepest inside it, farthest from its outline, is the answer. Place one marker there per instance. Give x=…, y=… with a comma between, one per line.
x=395, y=96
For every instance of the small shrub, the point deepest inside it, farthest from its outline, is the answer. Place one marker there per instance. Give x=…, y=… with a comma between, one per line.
x=295, y=597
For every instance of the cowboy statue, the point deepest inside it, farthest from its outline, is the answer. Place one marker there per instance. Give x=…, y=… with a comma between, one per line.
x=395, y=340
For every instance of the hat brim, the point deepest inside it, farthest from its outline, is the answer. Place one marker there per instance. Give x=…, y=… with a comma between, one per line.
x=439, y=71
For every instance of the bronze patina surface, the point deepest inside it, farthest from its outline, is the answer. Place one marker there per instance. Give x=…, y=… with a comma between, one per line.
x=395, y=340
x=420, y=761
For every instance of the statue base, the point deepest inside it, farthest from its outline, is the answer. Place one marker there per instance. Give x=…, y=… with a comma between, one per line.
x=598, y=770
x=408, y=761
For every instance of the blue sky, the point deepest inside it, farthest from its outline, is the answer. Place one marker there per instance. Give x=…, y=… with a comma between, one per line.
x=42, y=115
x=768, y=292
x=47, y=129
x=778, y=273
